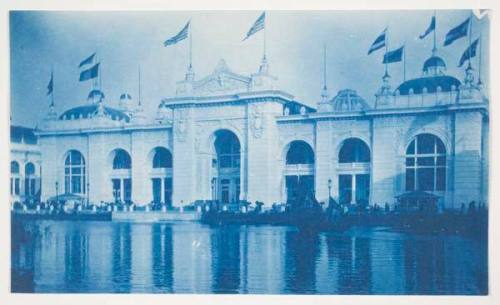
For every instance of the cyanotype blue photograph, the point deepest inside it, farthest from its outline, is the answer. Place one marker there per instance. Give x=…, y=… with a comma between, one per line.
x=249, y=152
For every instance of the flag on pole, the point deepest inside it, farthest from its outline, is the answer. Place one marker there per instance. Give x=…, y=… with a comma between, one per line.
x=469, y=52
x=183, y=34
x=393, y=56
x=87, y=60
x=457, y=32
x=432, y=27
x=50, y=86
x=257, y=26
x=378, y=43
x=89, y=73
x=480, y=13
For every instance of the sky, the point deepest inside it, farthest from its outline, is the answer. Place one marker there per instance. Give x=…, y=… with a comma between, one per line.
x=41, y=41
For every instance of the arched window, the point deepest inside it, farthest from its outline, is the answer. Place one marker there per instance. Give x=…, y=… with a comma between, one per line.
x=74, y=173
x=354, y=150
x=29, y=179
x=426, y=164
x=122, y=160
x=29, y=169
x=300, y=153
x=14, y=167
x=162, y=158
x=14, y=179
x=227, y=147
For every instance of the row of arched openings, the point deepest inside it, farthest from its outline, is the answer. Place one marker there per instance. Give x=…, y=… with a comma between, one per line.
x=30, y=179
x=75, y=174
x=425, y=169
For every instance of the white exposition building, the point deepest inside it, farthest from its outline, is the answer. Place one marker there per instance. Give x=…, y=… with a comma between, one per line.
x=231, y=137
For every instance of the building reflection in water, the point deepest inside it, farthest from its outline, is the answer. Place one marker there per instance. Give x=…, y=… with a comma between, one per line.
x=353, y=260
x=122, y=257
x=226, y=258
x=186, y=257
x=162, y=256
x=191, y=258
x=302, y=250
x=75, y=258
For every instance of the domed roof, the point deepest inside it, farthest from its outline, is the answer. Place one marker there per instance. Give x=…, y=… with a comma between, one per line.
x=432, y=62
x=125, y=96
x=95, y=93
x=432, y=84
x=88, y=111
x=349, y=100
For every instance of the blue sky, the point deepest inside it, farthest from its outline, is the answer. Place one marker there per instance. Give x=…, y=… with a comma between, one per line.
x=124, y=40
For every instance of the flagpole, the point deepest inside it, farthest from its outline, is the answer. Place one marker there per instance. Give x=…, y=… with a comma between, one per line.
x=470, y=36
x=265, y=30
x=190, y=45
x=404, y=61
x=139, y=95
x=324, y=66
x=52, y=79
x=434, y=49
x=479, y=82
x=386, y=47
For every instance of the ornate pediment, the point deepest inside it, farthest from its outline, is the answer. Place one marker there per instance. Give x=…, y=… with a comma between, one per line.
x=221, y=81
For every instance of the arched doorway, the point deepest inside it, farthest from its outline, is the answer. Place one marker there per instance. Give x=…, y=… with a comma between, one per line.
x=121, y=175
x=299, y=173
x=354, y=172
x=161, y=175
x=226, y=165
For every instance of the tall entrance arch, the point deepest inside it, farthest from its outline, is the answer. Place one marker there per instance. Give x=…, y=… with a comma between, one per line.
x=226, y=164
x=299, y=174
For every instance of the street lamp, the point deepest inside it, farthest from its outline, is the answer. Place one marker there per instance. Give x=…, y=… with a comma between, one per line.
x=329, y=188
x=57, y=191
x=88, y=194
x=213, y=188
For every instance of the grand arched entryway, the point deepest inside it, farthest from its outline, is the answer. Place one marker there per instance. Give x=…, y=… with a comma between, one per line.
x=354, y=172
x=299, y=173
x=226, y=164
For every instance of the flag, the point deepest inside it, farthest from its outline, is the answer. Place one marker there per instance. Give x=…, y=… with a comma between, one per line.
x=457, y=32
x=480, y=13
x=469, y=53
x=50, y=86
x=393, y=56
x=257, y=26
x=87, y=60
x=89, y=73
x=378, y=43
x=183, y=34
x=432, y=27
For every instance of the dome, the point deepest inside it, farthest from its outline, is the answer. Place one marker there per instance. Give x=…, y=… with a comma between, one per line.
x=96, y=94
x=433, y=62
x=88, y=111
x=125, y=96
x=349, y=100
x=431, y=84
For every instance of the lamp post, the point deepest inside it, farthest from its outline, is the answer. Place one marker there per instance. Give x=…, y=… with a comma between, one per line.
x=213, y=188
x=57, y=191
x=88, y=194
x=329, y=188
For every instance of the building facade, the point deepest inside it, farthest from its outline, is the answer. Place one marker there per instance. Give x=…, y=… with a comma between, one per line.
x=232, y=137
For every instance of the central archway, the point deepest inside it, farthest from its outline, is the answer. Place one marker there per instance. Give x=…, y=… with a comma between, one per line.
x=226, y=167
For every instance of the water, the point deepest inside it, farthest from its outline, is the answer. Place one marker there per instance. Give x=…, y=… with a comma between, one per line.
x=58, y=256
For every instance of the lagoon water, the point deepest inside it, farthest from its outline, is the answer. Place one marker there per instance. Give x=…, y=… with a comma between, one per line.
x=98, y=257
